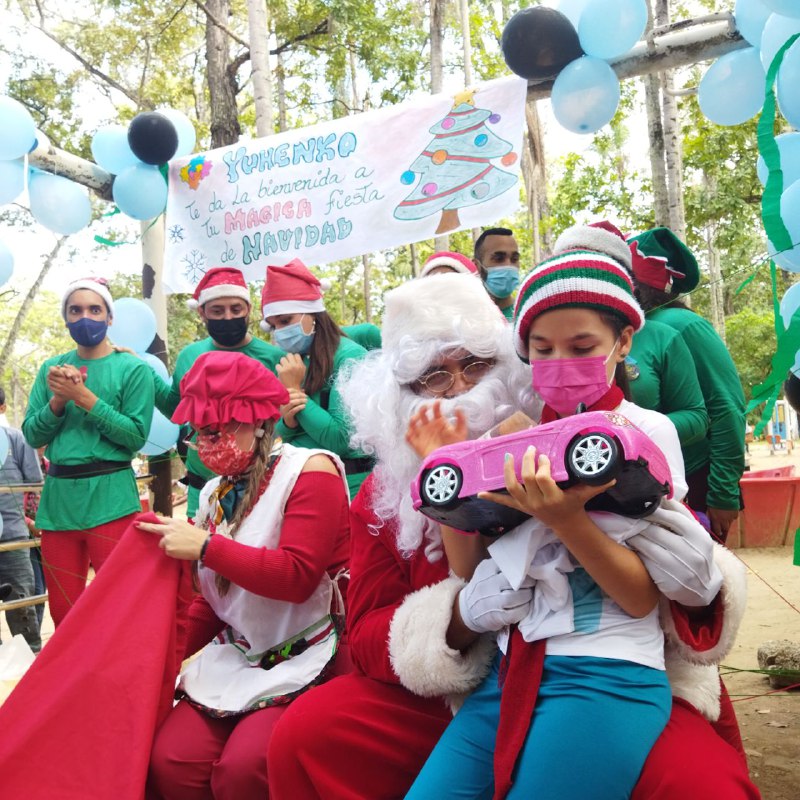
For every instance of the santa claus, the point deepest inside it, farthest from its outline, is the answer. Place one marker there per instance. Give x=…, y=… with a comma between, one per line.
x=366, y=735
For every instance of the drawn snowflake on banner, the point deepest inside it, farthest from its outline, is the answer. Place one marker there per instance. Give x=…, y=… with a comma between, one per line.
x=194, y=266
x=176, y=234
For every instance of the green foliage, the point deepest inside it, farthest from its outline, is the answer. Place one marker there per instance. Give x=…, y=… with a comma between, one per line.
x=750, y=336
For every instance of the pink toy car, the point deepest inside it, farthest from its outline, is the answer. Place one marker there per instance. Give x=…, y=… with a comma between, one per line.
x=592, y=447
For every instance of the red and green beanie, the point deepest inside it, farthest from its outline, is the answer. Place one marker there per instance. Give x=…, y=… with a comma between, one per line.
x=589, y=269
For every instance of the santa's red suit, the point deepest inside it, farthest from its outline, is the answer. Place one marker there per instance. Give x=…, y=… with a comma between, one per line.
x=365, y=736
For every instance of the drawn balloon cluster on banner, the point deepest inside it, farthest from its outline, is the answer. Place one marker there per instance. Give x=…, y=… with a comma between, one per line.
x=135, y=155
x=134, y=327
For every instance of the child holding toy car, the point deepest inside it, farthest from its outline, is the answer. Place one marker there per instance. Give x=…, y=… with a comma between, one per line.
x=588, y=655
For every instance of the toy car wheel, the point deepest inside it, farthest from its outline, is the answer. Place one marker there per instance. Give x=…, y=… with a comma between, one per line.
x=441, y=484
x=593, y=458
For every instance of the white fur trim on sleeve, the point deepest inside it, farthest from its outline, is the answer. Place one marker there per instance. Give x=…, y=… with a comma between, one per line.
x=697, y=684
x=732, y=595
x=419, y=653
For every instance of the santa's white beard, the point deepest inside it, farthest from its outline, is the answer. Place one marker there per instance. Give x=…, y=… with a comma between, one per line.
x=496, y=397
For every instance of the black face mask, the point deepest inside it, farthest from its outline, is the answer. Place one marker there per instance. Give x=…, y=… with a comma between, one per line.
x=227, y=332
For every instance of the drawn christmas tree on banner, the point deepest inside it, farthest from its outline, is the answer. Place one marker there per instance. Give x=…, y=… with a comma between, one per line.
x=455, y=169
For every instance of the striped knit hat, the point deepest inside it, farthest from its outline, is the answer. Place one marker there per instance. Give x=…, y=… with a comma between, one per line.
x=589, y=269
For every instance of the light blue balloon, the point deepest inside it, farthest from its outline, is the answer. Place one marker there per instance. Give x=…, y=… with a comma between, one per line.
x=751, y=16
x=12, y=180
x=140, y=191
x=6, y=264
x=572, y=10
x=111, y=150
x=59, y=204
x=789, y=148
x=789, y=85
x=732, y=90
x=610, y=28
x=157, y=364
x=585, y=95
x=777, y=31
x=161, y=437
x=187, y=136
x=3, y=450
x=795, y=370
x=789, y=8
x=17, y=130
x=134, y=324
x=790, y=213
x=790, y=302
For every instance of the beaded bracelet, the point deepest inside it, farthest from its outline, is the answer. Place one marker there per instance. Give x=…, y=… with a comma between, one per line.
x=204, y=548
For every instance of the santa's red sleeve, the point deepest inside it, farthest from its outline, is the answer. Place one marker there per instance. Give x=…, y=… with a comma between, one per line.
x=400, y=609
x=93, y=698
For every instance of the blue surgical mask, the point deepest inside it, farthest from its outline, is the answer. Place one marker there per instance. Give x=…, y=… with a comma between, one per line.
x=293, y=339
x=88, y=332
x=501, y=281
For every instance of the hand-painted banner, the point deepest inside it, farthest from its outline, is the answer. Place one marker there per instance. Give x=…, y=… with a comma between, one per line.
x=339, y=189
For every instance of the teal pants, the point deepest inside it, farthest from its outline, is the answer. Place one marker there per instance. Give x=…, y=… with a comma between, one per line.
x=595, y=722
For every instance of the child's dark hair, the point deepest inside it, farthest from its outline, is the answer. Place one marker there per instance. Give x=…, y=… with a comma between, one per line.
x=649, y=298
x=2, y=396
x=327, y=336
x=618, y=324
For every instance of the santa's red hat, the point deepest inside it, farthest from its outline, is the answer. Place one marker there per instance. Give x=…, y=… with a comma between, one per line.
x=292, y=289
x=225, y=387
x=96, y=285
x=219, y=282
x=453, y=261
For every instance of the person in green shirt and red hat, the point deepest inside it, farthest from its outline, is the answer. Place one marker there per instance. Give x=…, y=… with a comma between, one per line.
x=91, y=408
x=222, y=301
x=663, y=269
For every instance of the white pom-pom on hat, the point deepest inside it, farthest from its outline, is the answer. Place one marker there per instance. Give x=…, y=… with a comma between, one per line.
x=601, y=237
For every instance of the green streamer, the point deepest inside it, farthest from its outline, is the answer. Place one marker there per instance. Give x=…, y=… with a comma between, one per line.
x=796, y=560
x=788, y=341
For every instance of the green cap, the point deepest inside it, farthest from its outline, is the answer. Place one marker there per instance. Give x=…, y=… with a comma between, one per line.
x=662, y=242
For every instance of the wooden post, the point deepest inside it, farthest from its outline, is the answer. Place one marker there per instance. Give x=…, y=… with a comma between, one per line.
x=153, y=294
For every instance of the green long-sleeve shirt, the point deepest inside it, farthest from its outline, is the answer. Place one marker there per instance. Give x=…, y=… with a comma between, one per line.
x=365, y=333
x=663, y=378
x=328, y=429
x=114, y=430
x=723, y=447
x=168, y=395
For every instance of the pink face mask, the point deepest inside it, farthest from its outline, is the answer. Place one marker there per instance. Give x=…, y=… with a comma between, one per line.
x=222, y=455
x=563, y=383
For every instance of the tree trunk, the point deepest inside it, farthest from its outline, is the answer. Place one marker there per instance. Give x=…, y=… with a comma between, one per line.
x=437, y=10
x=281, y=77
x=534, y=173
x=672, y=140
x=414, y=260
x=716, y=286
x=448, y=222
x=8, y=347
x=367, y=289
x=259, y=63
x=225, y=127
x=655, y=130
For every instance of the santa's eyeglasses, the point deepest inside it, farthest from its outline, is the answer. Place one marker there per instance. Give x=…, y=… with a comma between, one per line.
x=442, y=380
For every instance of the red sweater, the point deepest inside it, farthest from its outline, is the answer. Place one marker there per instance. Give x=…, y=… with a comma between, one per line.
x=314, y=539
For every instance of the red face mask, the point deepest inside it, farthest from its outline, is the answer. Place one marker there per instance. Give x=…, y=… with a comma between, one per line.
x=222, y=455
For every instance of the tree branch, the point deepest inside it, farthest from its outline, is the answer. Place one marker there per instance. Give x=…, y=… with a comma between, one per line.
x=204, y=8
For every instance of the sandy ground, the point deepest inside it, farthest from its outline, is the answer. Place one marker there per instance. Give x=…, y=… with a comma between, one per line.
x=770, y=721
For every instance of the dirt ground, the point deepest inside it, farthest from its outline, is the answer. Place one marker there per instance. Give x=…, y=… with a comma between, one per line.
x=769, y=721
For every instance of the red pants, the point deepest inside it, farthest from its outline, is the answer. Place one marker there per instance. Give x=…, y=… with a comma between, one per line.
x=359, y=739
x=66, y=556
x=197, y=757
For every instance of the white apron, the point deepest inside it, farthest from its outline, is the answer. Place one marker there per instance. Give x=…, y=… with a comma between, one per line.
x=271, y=649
